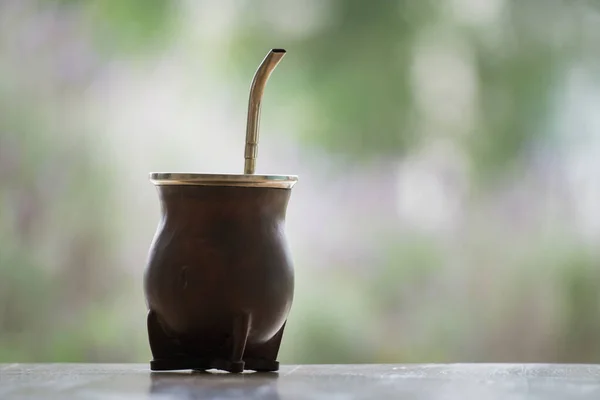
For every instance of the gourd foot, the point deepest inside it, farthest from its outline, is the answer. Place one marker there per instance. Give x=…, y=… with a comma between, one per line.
x=259, y=365
x=196, y=364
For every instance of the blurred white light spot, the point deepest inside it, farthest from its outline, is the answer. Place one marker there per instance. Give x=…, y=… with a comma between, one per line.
x=209, y=19
x=430, y=187
x=480, y=13
x=580, y=131
x=444, y=80
x=298, y=18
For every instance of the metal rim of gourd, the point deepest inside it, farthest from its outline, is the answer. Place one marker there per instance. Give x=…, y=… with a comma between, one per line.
x=268, y=181
x=248, y=179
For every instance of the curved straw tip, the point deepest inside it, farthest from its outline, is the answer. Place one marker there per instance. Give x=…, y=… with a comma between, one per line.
x=278, y=50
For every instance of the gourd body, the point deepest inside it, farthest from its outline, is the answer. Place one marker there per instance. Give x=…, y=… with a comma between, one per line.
x=220, y=254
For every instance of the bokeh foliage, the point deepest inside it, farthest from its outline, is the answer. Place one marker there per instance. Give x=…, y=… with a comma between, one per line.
x=355, y=74
x=356, y=71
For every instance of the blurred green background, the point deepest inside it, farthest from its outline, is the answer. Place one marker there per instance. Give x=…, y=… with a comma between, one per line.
x=448, y=207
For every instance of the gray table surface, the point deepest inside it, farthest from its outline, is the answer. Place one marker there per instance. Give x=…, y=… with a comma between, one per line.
x=339, y=382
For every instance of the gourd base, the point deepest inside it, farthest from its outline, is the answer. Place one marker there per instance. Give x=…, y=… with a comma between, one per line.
x=169, y=355
x=204, y=364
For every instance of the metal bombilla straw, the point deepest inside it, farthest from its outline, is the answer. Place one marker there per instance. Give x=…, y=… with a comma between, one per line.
x=256, y=93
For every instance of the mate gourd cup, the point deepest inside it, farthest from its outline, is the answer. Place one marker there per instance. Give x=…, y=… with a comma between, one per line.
x=219, y=281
